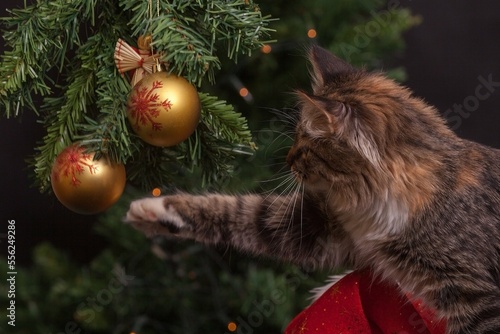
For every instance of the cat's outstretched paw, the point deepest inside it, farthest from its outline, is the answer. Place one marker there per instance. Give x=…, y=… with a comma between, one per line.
x=155, y=216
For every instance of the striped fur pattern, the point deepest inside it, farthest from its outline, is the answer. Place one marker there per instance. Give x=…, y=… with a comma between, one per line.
x=382, y=182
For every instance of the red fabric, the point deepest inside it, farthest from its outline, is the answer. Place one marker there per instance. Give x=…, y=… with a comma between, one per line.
x=360, y=304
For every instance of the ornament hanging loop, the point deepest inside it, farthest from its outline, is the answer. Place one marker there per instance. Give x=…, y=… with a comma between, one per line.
x=159, y=66
x=150, y=9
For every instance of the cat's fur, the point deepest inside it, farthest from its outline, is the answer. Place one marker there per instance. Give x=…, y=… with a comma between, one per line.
x=384, y=183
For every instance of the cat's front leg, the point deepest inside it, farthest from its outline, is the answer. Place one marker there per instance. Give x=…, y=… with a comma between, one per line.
x=210, y=219
x=288, y=228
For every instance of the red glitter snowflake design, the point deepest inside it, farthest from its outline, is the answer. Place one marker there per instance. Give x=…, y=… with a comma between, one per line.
x=73, y=162
x=145, y=106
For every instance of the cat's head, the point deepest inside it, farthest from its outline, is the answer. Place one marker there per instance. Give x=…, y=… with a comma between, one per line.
x=358, y=129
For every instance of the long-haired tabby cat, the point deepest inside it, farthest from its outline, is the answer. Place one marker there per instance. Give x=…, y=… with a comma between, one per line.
x=385, y=184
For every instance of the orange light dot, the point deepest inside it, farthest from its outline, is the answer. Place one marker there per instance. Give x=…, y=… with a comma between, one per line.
x=232, y=326
x=156, y=192
x=243, y=92
x=311, y=33
x=266, y=49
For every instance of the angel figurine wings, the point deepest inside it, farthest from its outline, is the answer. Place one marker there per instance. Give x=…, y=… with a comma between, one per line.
x=140, y=60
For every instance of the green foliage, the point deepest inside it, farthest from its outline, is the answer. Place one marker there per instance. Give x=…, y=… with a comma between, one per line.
x=61, y=52
x=190, y=32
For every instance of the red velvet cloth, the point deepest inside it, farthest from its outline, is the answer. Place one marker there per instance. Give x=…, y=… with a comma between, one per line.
x=360, y=304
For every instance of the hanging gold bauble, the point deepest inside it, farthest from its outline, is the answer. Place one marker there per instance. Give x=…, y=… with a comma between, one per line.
x=163, y=109
x=85, y=185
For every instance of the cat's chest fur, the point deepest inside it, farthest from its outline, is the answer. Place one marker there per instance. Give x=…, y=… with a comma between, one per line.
x=371, y=223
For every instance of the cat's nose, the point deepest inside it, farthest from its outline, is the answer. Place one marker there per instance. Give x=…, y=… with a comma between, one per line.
x=291, y=157
x=294, y=154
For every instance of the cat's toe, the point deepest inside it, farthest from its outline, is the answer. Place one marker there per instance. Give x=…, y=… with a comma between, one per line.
x=145, y=210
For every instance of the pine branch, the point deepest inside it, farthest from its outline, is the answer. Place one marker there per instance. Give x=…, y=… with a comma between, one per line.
x=108, y=132
x=52, y=57
x=223, y=122
x=185, y=48
x=40, y=38
x=65, y=112
x=216, y=159
x=189, y=33
x=151, y=166
x=241, y=30
x=222, y=135
x=187, y=51
x=14, y=94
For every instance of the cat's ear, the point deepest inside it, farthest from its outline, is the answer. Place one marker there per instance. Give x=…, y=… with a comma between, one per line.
x=323, y=117
x=326, y=67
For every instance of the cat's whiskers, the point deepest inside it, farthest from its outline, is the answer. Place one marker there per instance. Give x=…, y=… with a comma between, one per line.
x=301, y=213
x=280, y=163
x=289, y=133
x=295, y=194
x=298, y=175
x=291, y=205
x=279, y=150
x=288, y=116
x=289, y=189
x=277, y=177
x=287, y=183
x=299, y=193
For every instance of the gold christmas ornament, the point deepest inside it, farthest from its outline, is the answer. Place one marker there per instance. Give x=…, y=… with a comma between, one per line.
x=85, y=185
x=163, y=109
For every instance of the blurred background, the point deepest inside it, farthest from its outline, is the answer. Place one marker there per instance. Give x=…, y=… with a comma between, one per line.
x=91, y=274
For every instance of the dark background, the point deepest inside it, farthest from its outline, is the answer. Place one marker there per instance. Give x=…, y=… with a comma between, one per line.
x=456, y=43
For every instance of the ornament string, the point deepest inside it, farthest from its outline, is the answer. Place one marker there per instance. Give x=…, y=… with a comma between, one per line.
x=150, y=8
x=141, y=60
x=157, y=64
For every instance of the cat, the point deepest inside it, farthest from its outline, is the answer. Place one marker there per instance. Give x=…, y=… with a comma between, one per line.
x=382, y=183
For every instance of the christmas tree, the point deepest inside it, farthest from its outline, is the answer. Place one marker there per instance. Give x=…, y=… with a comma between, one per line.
x=61, y=57
x=63, y=53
